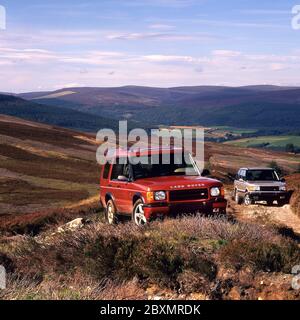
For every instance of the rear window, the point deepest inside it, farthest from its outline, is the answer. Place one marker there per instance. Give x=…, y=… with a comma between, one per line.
x=106, y=171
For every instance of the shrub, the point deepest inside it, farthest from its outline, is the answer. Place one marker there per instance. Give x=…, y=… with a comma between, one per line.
x=261, y=256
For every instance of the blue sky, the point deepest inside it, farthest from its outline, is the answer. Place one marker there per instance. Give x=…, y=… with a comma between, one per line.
x=52, y=44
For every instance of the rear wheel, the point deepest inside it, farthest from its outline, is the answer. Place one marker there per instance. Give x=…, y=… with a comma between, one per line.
x=247, y=200
x=270, y=202
x=111, y=212
x=138, y=215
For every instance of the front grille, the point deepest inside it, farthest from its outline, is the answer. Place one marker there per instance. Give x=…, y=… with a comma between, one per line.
x=269, y=188
x=192, y=194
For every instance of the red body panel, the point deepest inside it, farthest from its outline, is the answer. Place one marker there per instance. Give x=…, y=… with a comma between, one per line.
x=124, y=194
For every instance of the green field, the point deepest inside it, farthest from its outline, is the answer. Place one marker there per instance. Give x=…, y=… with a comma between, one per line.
x=234, y=130
x=273, y=141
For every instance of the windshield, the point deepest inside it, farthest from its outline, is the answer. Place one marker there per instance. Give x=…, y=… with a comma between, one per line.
x=262, y=175
x=178, y=166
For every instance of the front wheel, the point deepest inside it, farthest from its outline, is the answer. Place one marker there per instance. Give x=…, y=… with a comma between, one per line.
x=270, y=203
x=281, y=203
x=138, y=215
x=247, y=200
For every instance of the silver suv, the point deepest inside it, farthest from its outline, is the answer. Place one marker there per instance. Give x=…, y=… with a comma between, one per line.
x=259, y=184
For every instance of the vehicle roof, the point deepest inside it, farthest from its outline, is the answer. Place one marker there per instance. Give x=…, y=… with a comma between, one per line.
x=131, y=152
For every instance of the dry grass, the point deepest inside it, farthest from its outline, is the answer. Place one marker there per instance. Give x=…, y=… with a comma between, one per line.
x=77, y=288
x=183, y=255
x=33, y=223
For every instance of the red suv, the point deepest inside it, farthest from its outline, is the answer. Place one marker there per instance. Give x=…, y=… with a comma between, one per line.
x=146, y=191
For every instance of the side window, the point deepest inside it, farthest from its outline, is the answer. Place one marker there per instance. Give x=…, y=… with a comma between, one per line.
x=126, y=171
x=243, y=174
x=117, y=170
x=120, y=169
x=106, y=171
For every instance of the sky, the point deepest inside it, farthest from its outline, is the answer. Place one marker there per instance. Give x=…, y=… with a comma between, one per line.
x=48, y=45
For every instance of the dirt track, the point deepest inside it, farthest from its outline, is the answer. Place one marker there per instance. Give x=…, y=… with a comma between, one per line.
x=265, y=214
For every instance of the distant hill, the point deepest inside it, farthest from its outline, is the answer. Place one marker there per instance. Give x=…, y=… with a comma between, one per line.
x=60, y=116
x=263, y=106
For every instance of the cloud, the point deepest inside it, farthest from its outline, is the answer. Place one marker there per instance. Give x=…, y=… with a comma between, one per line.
x=226, y=53
x=174, y=59
x=242, y=24
x=25, y=69
x=159, y=36
x=162, y=26
x=277, y=66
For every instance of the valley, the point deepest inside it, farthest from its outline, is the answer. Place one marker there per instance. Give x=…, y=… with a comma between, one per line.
x=49, y=181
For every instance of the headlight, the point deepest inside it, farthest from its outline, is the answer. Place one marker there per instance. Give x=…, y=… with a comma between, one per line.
x=282, y=188
x=215, y=191
x=159, y=195
x=253, y=188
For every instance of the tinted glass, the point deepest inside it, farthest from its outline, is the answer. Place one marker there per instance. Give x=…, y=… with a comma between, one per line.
x=149, y=170
x=261, y=175
x=117, y=170
x=106, y=171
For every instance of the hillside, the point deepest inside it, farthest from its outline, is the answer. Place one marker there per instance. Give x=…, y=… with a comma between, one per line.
x=60, y=116
x=42, y=167
x=49, y=176
x=268, y=107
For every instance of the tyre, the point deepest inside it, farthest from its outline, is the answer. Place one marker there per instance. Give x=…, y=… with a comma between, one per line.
x=270, y=203
x=111, y=212
x=281, y=203
x=237, y=197
x=138, y=216
x=247, y=200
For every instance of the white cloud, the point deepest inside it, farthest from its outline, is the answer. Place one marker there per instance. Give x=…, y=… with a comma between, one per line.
x=226, y=53
x=159, y=36
x=162, y=26
x=277, y=66
x=33, y=68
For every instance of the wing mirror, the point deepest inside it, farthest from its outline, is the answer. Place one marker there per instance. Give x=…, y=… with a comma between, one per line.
x=123, y=178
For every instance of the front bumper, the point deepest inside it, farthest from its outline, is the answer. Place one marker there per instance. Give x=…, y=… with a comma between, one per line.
x=161, y=209
x=265, y=196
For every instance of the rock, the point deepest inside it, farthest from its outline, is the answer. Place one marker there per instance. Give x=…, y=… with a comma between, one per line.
x=246, y=276
x=198, y=296
x=72, y=225
x=191, y=282
x=234, y=294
